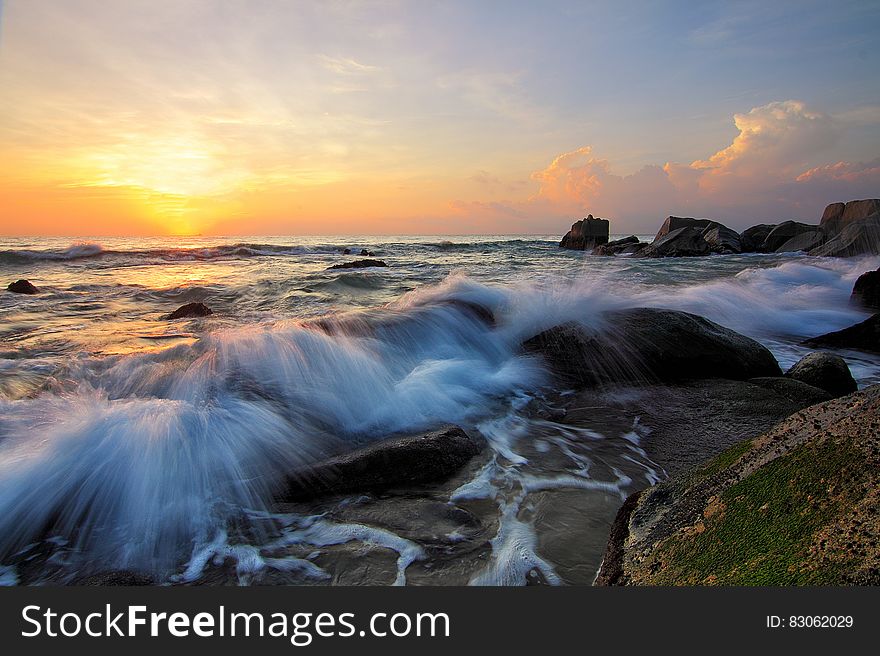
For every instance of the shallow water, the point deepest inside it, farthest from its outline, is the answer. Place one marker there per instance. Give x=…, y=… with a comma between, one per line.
x=142, y=443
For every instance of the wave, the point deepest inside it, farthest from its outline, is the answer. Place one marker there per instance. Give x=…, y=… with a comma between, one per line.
x=76, y=251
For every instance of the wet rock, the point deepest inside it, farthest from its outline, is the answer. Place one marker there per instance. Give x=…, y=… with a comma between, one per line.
x=618, y=246
x=752, y=239
x=359, y=264
x=346, y=251
x=673, y=223
x=783, y=233
x=117, y=578
x=722, y=240
x=22, y=287
x=191, y=310
x=366, y=253
x=864, y=336
x=391, y=463
x=586, y=234
x=797, y=391
x=681, y=242
x=826, y=371
x=647, y=344
x=866, y=291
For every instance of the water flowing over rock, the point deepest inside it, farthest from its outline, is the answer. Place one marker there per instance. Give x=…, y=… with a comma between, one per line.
x=586, y=234
x=826, y=371
x=395, y=462
x=646, y=344
x=191, y=310
x=22, y=287
x=866, y=291
x=864, y=336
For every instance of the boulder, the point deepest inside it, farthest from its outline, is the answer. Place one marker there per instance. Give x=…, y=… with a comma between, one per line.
x=346, y=251
x=826, y=371
x=586, y=234
x=861, y=237
x=391, y=463
x=618, y=246
x=22, y=287
x=673, y=223
x=839, y=215
x=782, y=233
x=793, y=506
x=191, y=310
x=864, y=336
x=681, y=242
x=832, y=215
x=797, y=391
x=866, y=291
x=752, y=239
x=366, y=253
x=359, y=264
x=722, y=240
x=648, y=345
x=805, y=241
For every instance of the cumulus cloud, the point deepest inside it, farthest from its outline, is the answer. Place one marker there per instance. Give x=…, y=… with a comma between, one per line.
x=768, y=172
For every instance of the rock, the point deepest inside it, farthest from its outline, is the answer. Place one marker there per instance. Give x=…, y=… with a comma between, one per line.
x=839, y=215
x=646, y=344
x=782, y=233
x=860, y=237
x=722, y=240
x=22, y=287
x=117, y=578
x=805, y=241
x=752, y=239
x=681, y=242
x=864, y=336
x=191, y=310
x=866, y=291
x=366, y=253
x=359, y=264
x=794, y=506
x=673, y=223
x=797, y=391
x=826, y=371
x=587, y=233
x=617, y=247
x=394, y=462
x=346, y=251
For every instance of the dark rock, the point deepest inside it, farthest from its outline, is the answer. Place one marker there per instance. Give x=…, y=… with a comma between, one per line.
x=866, y=291
x=391, y=463
x=860, y=237
x=22, y=287
x=116, y=578
x=366, y=253
x=359, y=264
x=681, y=242
x=587, y=233
x=616, y=247
x=673, y=223
x=864, y=336
x=752, y=239
x=611, y=572
x=782, y=233
x=191, y=310
x=346, y=251
x=805, y=241
x=826, y=371
x=795, y=390
x=722, y=240
x=839, y=215
x=646, y=344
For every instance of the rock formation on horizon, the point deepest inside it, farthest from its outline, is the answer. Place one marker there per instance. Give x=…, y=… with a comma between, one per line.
x=586, y=234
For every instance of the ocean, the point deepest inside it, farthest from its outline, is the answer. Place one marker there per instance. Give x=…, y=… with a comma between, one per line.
x=154, y=445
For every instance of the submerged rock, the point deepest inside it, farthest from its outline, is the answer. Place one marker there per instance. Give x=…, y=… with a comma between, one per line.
x=22, y=287
x=586, y=234
x=794, y=506
x=647, y=344
x=191, y=310
x=866, y=291
x=395, y=462
x=826, y=371
x=864, y=336
x=359, y=264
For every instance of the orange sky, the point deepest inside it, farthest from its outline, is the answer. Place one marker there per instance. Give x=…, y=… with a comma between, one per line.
x=193, y=117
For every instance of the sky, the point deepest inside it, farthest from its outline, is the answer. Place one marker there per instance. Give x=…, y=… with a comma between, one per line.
x=247, y=117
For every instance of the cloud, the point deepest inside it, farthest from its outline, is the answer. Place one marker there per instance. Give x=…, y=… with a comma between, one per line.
x=768, y=172
x=346, y=66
